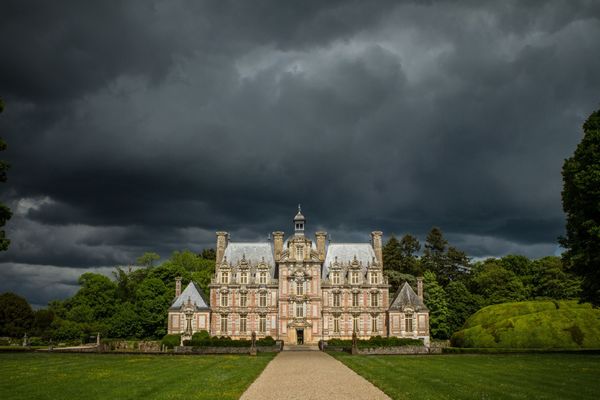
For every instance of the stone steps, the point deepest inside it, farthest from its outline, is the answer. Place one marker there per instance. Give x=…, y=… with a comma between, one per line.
x=300, y=347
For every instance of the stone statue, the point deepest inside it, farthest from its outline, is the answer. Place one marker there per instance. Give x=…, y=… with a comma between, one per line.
x=253, y=344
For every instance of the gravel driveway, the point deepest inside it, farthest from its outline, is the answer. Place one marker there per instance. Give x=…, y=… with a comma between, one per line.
x=310, y=375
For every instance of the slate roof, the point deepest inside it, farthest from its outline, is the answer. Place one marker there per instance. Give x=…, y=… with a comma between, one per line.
x=345, y=253
x=406, y=297
x=253, y=252
x=195, y=294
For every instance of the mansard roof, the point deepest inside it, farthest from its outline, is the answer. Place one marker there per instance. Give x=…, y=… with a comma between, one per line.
x=406, y=297
x=253, y=252
x=194, y=293
x=344, y=253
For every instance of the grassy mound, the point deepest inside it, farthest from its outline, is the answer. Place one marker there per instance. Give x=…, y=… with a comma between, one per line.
x=532, y=325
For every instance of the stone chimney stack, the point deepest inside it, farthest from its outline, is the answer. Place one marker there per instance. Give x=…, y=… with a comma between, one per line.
x=321, y=238
x=177, y=286
x=377, y=245
x=222, y=241
x=420, y=287
x=278, y=244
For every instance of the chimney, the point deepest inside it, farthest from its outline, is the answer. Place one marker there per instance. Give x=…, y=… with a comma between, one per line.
x=420, y=287
x=222, y=239
x=321, y=238
x=376, y=243
x=278, y=244
x=177, y=286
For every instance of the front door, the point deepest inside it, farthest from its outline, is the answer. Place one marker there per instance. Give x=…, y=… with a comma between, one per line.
x=300, y=336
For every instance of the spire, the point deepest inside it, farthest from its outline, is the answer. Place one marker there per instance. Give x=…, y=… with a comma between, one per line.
x=299, y=222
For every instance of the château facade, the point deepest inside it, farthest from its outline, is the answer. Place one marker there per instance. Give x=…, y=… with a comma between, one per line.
x=300, y=291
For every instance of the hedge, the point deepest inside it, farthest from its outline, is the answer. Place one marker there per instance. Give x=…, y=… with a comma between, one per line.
x=170, y=341
x=376, y=341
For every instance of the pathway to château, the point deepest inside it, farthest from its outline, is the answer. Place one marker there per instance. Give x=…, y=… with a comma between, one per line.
x=310, y=375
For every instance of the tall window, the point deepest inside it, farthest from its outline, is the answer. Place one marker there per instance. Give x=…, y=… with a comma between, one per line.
x=223, y=323
x=299, y=253
x=336, y=278
x=262, y=299
x=354, y=278
x=262, y=324
x=299, y=288
x=336, y=324
x=262, y=278
x=354, y=299
x=356, y=324
x=243, y=278
x=243, y=323
x=374, y=324
x=224, y=299
x=336, y=300
x=299, y=310
x=408, y=322
x=374, y=299
x=243, y=299
x=224, y=277
x=374, y=278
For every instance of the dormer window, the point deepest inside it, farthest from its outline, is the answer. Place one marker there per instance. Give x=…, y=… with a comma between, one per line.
x=354, y=278
x=243, y=278
x=335, y=279
x=374, y=278
x=299, y=252
x=262, y=278
x=224, y=277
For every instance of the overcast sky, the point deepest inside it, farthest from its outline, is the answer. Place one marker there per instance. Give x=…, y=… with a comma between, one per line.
x=148, y=125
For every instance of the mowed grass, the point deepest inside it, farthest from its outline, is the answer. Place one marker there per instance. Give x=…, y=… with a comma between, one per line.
x=93, y=376
x=522, y=376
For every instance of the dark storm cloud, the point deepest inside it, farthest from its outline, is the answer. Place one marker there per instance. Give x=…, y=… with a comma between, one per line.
x=138, y=126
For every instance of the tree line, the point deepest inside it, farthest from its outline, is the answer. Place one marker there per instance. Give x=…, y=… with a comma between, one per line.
x=134, y=304
x=455, y=287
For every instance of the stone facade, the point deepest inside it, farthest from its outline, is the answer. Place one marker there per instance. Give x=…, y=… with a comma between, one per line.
x=298, y=291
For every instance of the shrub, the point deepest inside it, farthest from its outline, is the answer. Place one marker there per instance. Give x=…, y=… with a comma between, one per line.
x=170, y=341
x=266, y=341
x=375, y=341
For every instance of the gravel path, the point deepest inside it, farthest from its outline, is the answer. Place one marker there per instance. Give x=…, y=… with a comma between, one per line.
x=310, y=375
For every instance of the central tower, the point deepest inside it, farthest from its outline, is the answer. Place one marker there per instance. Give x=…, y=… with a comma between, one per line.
x=300, y=297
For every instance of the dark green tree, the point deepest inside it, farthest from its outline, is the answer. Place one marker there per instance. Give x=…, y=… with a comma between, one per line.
x=209, y=254
x=549, y=280
x=147, y=259
x=409, y=249
x=5, y=212
x=497, y=284
x=437, y=302
x=434, y=255
x=16, y=315
x=461, y=304
x=392, y=255
x=581, y=203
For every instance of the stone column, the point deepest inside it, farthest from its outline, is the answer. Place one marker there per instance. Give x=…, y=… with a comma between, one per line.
x=321, y=238
x=278, y=244
x=376, y=237
x=222, y=239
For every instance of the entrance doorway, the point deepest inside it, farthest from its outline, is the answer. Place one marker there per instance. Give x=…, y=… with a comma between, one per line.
x=299, y=336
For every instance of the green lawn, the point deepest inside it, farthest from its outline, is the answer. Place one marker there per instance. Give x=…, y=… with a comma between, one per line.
x=92, y=376
x=474, y=376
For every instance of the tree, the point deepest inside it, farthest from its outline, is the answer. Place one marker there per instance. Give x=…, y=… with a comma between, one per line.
x=147, y=259
x=434, y=257
x=5, y=212
x=435, y=299
x=581, y=199
x=497, y=284
x=461, y=304
x=16, y=315
x=392, y=254
x=549, y=280
x=209, y=254
x=409, y=247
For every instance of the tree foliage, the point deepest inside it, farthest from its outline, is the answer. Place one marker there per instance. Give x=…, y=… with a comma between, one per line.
x=5, y=212
x=16, y=315
x=581, y=203
x=437, y=302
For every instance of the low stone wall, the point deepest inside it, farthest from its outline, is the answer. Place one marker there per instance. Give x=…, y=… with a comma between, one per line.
x=142, y=346
x=400, y=350
x=225, y=350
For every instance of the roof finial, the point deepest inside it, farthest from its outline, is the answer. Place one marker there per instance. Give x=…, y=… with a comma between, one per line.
x=299, y=208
